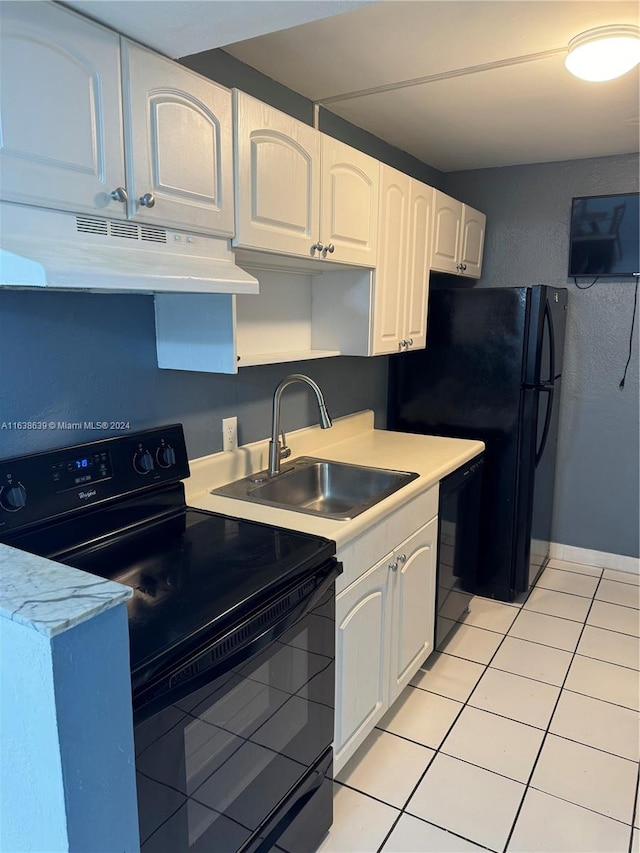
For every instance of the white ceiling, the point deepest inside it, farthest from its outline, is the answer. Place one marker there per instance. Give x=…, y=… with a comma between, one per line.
x=487, y=102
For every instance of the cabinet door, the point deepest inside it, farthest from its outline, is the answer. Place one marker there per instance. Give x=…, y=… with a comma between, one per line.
x=349, y=206
x=277, y=179
x=473, y=227
x=362, y=658
x=60, y=113
x=391, y=273
x=178, y=130
x=418, y=255
x=413, y=606
x=447, y=224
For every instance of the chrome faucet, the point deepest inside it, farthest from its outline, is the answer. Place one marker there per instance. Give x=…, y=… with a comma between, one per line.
x=279, y=451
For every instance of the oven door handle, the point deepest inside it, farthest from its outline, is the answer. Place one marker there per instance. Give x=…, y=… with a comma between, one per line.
x=237, y=646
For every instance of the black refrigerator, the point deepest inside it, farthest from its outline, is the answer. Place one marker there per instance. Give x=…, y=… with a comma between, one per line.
x=492, y=370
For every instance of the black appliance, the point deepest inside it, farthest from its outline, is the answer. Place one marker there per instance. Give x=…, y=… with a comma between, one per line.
x=458, y=528
x=605, y=235
x=492, y=371
x=231, y=634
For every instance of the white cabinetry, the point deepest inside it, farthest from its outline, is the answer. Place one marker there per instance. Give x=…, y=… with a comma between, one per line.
x=401, y=284
x=384, y=619
x=154, y=146
x=61, y=112
x=179, y=155
x=458, y=237
x=299, y=192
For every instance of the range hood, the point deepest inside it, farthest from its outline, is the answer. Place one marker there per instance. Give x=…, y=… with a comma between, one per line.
x=58, y=250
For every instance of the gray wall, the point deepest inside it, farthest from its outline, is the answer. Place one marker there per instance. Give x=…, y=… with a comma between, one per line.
x=89, y=357
x=528, y=210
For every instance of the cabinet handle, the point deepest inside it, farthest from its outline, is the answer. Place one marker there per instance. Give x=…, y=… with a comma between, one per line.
x=459, y=267
x=402, y=558
x=147, y=200
x=464, y=266
x=330, y=248
x=410, y=342
x=317, y=246
x=119, y=194
x=402, y=344
x=393, y=567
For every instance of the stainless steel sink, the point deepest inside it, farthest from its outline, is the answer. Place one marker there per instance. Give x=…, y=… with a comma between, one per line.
x=320, y=487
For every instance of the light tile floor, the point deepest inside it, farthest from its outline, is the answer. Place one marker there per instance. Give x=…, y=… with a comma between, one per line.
x=520, y=734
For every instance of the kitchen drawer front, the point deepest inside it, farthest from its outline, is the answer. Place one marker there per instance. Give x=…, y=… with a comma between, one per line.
x=380, y=540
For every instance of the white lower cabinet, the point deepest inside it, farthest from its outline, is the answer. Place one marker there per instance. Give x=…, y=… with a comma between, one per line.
x=384, y=626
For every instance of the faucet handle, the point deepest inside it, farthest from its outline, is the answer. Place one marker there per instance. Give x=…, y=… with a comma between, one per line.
x=285, y=452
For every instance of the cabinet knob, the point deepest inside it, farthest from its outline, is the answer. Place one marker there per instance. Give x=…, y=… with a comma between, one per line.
x=316, y=246
x=459, y=267
x=402, y=558
x=464, y=266
x=402, y=344
x=410, y=342
x=393, y=567
x=330, y=248
x=147, y=200
x=119, y=194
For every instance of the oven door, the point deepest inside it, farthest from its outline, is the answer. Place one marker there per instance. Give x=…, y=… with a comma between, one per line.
x=235, y=763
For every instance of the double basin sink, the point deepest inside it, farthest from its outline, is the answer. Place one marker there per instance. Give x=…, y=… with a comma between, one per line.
x=319, y=487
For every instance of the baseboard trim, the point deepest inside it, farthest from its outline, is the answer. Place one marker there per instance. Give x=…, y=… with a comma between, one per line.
x=598, y=559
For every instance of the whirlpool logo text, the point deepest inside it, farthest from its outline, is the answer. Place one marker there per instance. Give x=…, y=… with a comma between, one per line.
x=84, y=496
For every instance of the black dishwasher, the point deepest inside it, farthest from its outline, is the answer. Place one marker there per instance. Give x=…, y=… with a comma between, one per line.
x=458, y=528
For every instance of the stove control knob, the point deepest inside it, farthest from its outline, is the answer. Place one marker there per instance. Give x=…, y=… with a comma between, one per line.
x=166, y=456
x=13, y=498
x=143, y=462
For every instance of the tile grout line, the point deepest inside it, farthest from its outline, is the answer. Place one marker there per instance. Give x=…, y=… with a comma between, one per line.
x=636, y=811
x=546, y=733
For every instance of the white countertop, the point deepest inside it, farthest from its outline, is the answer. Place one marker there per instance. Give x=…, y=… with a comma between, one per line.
x=352, y=439
x=49, y=597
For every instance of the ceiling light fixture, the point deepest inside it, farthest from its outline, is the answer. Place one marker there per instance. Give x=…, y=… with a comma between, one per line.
x=604, y=53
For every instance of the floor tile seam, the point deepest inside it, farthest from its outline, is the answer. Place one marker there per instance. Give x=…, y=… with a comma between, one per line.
x=482, y=628
x=617, y=603
x=551, y=565
x=407, y=739
x=589, y=696
x=479, y=627
x=512, y=719
x=597, y=748
x=546, y=733
x=581, y=806
x=613, y=630
x=538, y=643
x=442, y=695
x=528, y=677
x=550, y=615
x=617, y=580
x=612, y=662
x=368, y=795
x=450, y=831
x=441, y=751
x=564, y=591
x=565, y=618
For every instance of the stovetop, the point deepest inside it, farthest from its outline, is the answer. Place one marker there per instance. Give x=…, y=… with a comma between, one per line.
x=194, y=573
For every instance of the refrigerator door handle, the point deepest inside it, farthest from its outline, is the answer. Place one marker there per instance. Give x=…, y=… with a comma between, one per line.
x=547, y=421
x=548, y=319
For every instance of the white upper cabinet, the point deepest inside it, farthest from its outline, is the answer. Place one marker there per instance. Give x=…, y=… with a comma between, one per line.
x=277, y=179
x=178, y=132
x=349, y=204
x=60, y=112
x=473, y=228
x=147, y=140
x=301, y=193
x=458, y=237
x=401, y=286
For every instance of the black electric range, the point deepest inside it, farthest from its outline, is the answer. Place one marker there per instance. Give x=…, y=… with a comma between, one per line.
x=231, y=630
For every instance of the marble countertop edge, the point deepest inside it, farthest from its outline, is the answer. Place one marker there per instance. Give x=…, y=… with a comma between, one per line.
x=51, y=598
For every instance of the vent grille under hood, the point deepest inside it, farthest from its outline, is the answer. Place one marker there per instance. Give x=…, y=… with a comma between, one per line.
x=58, y=250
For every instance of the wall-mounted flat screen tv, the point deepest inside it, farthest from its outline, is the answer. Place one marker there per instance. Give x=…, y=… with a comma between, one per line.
x=605, y=235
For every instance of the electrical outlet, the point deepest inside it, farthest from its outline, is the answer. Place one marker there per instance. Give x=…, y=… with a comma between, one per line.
x=229, y=433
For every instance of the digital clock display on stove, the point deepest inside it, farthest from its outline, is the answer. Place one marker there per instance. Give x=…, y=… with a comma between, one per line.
x=80, y=470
